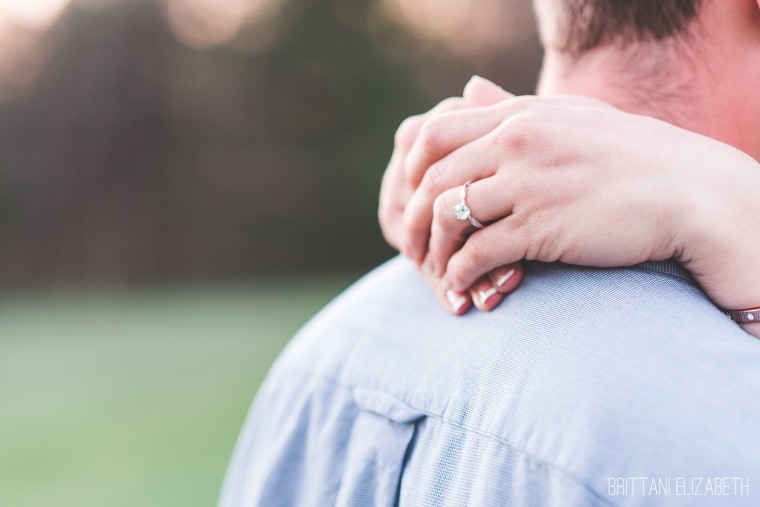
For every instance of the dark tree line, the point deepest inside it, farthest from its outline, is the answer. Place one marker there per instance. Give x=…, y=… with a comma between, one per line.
x=135, y=158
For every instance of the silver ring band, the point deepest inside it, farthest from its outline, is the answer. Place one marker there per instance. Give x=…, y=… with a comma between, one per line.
x=462, y=211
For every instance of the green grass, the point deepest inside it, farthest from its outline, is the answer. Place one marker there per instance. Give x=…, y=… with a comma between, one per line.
x=136, y=398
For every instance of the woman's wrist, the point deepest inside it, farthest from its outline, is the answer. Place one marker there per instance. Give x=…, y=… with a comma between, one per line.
x=721, y=241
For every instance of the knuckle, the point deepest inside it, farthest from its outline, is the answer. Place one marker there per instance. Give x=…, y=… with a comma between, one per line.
x=525, y=130
x=537, y=245
x=517, y=105
x=440, y=208
x=429, y=138
x=520, y=223
x=448, y=104
x=410, y=226
x=407, y=131
x=474, y=253
x=519, y=132
x=433, y=181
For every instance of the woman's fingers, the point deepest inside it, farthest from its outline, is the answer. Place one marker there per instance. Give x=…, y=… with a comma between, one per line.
x=443, y=134
x=437, y=139
x=498, y=244
x=506, y=278
x=474, y=161
x=395, y=190
x=484, y=294
x=456, y=303
x=481, y=92
x=487, y=201
x=489, y=290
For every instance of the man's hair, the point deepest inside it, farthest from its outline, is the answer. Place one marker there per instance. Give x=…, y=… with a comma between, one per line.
x=576, y=26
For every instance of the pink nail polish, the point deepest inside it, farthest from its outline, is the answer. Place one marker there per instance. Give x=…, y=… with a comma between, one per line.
x=501, y=280
x=485, y=295
x=445, y=283
x=457, y=301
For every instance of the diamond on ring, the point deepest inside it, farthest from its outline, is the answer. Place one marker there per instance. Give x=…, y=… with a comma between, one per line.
x=462, y=211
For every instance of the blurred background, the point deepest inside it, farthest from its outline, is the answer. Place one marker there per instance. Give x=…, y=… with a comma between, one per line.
x=182, y=184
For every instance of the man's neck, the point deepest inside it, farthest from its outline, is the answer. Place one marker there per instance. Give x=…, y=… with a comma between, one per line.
x=643, y=81
x=601, y=74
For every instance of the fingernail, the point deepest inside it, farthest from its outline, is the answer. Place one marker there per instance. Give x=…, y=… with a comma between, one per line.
x=445, y=283
x=499, y=281
x=457, y=301
x=425, y=269
x=484, y=295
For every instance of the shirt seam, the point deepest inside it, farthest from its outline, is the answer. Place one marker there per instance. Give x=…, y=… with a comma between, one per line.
x=491, y=436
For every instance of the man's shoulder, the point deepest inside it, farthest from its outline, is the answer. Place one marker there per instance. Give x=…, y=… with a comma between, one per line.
x=565, y=333
x=570, y=344
x=390, y=316
x=578, y=377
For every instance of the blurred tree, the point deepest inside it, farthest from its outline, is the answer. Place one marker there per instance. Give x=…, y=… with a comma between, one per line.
x=134, y=157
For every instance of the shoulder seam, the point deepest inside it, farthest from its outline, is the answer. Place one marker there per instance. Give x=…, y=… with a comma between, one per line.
x=491, y=436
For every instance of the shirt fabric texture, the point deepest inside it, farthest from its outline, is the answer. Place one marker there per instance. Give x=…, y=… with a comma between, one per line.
x=583, y=388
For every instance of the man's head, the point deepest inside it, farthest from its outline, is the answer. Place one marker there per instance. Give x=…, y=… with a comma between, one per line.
x=573, y=27
x=695, y=63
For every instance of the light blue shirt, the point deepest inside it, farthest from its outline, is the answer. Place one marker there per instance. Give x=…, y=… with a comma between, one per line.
x=585, y=387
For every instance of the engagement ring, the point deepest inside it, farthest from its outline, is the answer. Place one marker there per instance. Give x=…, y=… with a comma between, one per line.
x=462, y=211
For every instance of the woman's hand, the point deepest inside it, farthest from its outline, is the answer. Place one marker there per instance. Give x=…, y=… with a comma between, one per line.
x=575, y=180
x=397, y=189
x=557, y=179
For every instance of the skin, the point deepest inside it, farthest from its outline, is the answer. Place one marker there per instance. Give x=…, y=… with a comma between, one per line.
x=397, y=190
x=577, y=180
